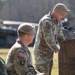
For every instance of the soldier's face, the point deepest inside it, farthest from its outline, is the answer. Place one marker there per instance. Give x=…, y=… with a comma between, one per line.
x=59, y=16
x=31, y=37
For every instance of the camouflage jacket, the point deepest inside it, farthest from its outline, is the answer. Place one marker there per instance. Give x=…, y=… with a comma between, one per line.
x=47, y=37
x=19, y=60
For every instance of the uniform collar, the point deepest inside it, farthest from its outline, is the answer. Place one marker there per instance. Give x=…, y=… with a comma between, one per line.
x=52, y=18
x=20, y=43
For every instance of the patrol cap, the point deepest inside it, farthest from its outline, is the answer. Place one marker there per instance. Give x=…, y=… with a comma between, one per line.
x=61, y=8
x=27, y=28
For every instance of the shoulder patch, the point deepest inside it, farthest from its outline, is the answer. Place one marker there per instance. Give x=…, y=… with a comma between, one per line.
x=48, y=22
x=22, y=55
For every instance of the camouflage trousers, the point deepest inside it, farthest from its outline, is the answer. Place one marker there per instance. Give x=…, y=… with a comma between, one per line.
x=45, y=68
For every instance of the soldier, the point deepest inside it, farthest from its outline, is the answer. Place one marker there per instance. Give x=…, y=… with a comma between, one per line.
x=48, y=38
x=18, y=60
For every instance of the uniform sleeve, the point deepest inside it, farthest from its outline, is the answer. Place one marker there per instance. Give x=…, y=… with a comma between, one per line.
x=60, y=34
x=21, y=65
x=48, y=35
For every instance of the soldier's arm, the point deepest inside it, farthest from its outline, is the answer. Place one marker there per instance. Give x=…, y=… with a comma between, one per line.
x=21, y=64
x=60, y=34
x=48, y=35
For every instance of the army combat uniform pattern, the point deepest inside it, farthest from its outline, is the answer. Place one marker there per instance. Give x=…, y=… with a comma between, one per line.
x=49, y=34
x=19, y=60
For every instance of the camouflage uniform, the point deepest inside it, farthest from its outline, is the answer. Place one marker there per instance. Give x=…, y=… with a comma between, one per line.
x=19, y=60
x=47, y=38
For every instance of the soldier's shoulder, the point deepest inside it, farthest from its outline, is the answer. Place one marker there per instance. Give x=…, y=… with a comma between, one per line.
x=19, y=52
x=48, y=22
x=46, y=18
x=16, y=49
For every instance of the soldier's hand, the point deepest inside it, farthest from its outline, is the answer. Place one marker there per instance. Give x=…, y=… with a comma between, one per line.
x=38, y=73
x=58, y=46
